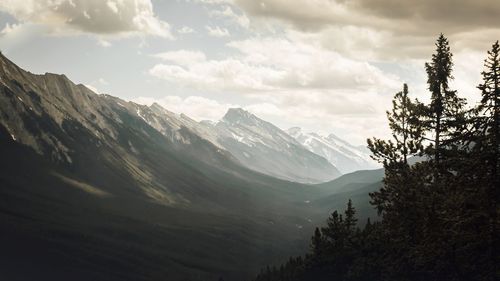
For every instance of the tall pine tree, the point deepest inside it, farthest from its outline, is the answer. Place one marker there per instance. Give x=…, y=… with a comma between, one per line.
x=406, y=133
x=487, y=146
x=489, y=110
x=443, y=115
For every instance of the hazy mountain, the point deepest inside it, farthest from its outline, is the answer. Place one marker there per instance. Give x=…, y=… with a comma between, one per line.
x=346, y=157
x=96, y=188
x=263, y=147
x=355, y=186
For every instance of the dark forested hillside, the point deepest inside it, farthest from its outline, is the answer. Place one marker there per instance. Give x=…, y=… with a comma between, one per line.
x=440, y=216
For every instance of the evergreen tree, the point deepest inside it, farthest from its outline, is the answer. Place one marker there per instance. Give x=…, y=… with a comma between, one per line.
x=439, y=216
x=317, y=242
x=489, y=110
x=487, y=146
x=334, y=230
x=406, y=133
x=441, y=188
x=396, y=199
x=350, y=217
x=443, y=117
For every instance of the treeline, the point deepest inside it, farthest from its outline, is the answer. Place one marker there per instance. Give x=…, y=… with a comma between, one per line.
x=439, y=217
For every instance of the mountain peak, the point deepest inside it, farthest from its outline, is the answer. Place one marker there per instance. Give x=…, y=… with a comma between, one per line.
x=337, y=151
x=155, y=105
x=238, y=115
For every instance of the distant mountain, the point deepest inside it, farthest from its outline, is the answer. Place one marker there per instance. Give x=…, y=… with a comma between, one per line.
x=241, y=137
x=346, y=157
x=263, y=147
x=355, y=186
x=96, y=188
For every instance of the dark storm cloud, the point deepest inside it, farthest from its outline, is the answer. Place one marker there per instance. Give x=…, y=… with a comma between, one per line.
x=416, y=17
x=450, y=15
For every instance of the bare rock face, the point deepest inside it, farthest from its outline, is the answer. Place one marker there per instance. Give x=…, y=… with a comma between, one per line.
x=71, y=125
x=264, y=147
x=43, y=111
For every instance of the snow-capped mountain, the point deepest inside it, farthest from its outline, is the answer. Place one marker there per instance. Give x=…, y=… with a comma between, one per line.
x=255, y=143
x=346, y=157
x=263, y=147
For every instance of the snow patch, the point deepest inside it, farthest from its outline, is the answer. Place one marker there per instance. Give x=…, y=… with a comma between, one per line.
x=140, y=115
x=238, y=138
x=335, y=150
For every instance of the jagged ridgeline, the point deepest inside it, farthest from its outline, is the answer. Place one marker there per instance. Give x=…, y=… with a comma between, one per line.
x=96, y=188
x=440, y=214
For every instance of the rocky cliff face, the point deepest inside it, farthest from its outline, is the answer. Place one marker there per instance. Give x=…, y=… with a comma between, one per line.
x=263, y=147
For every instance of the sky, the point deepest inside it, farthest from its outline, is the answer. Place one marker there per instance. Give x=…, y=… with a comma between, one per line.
x=328, y=66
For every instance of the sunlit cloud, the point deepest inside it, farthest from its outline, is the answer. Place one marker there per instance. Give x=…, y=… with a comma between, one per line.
x=69, y=17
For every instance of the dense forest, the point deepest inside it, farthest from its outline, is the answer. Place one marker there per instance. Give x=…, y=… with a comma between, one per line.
x=439, y=216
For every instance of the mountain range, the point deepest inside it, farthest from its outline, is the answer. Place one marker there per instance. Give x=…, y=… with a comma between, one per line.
x=93, y=187
x=253, y=142
x=345, y=156
x=263, y=147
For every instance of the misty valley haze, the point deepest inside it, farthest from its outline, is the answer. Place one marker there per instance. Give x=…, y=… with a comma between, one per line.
x=249, y=140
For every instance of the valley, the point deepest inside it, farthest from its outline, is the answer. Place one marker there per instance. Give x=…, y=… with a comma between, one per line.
x=113, y=190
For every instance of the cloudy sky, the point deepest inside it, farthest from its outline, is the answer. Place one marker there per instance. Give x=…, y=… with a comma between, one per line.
x=324, y=65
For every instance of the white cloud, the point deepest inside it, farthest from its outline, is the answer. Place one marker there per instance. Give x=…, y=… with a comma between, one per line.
x=182, y=57
x=112, y=6
x=196, y=107
x=309, y=65
x=10, y=28
x=227, y=12
x=228, y=74
x=111, y=17
x=265, y=64
x=393, y=29
x=294, y=81
x=104, y=43
x=14, y=35
x=217, y=31
x=185, y=30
